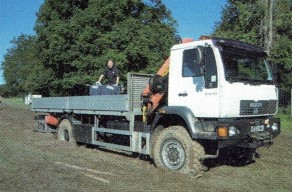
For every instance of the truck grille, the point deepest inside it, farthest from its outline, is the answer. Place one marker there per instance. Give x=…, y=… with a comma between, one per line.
x=251, y=107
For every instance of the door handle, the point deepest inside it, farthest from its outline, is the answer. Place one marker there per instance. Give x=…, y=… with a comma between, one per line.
x=183, y=94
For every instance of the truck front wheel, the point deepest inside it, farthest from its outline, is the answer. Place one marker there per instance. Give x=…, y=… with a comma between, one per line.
x=174, y=149
x=65, y=132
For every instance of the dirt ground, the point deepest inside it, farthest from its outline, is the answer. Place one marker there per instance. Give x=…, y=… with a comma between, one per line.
x=32, y=161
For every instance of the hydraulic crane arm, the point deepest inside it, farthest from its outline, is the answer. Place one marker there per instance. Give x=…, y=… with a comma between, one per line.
x=155, y=93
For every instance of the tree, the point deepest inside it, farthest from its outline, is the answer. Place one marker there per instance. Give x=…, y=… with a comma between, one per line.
x=266, y=23
x=22, y=69
x=281, y=52
x=77, y=37
x=4, y=91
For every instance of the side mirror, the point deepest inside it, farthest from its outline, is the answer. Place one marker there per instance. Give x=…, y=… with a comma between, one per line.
x=201, y=59
x=178, y=39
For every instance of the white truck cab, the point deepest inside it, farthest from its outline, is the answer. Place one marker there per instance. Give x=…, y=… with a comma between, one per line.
x=221, y=79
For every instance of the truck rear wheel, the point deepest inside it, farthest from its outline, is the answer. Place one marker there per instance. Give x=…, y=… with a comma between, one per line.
x=175, y=150
x=65, y=132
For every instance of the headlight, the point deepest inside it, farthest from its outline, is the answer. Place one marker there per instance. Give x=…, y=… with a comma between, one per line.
x=227, y=131
x=275, y=127
x=233, y=131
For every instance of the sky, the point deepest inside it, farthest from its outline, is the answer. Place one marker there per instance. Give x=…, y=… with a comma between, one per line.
x=194, y=18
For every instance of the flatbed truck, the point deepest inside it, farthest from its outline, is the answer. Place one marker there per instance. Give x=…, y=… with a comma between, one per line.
x=216, y=95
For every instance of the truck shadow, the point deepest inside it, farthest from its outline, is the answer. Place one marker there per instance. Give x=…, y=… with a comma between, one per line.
x=226, y=157
x=235, y=158
x=117, y=152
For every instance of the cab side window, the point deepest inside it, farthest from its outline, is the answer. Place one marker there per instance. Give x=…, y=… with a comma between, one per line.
x=197, y=63
x=210, y=68
x=191, y=63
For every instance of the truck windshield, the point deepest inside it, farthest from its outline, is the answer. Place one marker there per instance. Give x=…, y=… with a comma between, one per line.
x=243, y=66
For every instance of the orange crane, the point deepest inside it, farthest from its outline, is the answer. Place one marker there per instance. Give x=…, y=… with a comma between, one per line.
x=154, y=93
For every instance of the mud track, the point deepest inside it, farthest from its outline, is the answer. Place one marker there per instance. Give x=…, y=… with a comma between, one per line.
x=32, y=161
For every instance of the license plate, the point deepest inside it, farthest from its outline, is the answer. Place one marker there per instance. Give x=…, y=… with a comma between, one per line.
x=257, y=128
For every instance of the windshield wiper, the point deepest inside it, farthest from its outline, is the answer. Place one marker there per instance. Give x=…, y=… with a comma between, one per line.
x=238, y=79
x=263, y=81
x=248, y=80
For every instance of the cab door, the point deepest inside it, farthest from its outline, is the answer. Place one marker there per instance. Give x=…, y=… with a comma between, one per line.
x=193, y=81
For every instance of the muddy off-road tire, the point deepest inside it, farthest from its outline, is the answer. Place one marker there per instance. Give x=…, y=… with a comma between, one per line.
x=65, y=132
x=154, y=137
x=175, y=150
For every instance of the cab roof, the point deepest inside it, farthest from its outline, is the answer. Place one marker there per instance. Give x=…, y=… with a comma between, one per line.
x=222, y=42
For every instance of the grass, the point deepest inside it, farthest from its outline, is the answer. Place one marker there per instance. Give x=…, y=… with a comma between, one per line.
x=286, y=119
x=16, y=102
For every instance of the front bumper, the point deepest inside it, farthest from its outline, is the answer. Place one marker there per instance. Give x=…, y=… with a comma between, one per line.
x=248, y=139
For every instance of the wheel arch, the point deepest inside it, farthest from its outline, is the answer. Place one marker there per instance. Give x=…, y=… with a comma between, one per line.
x=171, y=120
x=179, y=115
x=66, y=116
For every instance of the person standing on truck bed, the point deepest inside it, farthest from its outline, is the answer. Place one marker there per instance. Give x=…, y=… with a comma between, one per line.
x=111, y=73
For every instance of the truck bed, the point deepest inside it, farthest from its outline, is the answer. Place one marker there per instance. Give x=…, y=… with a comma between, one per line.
x=85, y=103
x=105, y=104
